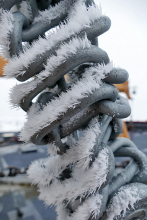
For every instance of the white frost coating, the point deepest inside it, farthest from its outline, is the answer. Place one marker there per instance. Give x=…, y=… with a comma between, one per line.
x=62, y=54
x=54, y=12
x=14, y=9
x=90, y=82
x=62, y=212
x=19, y=91
x=77, y=185
x=83, y=148
x=6, y=28
x=126, y=196
x=75, y=118
x=79, y=154
x=92, y=206
x=74, y=26
x=25, y=9
x=53, y=149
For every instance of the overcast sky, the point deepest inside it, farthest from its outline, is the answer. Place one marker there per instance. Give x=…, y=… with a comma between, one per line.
x=126, y=45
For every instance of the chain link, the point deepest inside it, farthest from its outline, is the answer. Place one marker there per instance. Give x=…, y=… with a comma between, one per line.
x=79, y=175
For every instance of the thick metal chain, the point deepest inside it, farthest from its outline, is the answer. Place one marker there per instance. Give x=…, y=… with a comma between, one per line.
x=79, y=176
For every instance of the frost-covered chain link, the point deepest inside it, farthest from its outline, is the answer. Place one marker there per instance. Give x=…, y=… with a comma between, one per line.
x=80, y=118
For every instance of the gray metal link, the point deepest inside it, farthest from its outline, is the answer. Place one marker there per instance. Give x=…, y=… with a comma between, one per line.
x=20, y=21
x=101, y=106
x=6, y=4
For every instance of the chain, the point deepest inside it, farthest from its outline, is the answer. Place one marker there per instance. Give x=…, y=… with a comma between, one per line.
x=71, y=103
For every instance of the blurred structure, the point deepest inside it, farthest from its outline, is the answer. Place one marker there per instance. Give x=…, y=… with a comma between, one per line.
x=124, y=87
x=3, y=62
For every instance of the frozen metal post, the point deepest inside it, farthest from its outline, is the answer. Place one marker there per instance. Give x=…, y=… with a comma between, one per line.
x=79, y=175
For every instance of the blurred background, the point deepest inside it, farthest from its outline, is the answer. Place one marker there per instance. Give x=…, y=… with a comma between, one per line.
x=126, y=46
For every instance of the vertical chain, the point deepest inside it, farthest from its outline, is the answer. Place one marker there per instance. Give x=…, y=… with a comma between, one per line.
x=68, y=94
